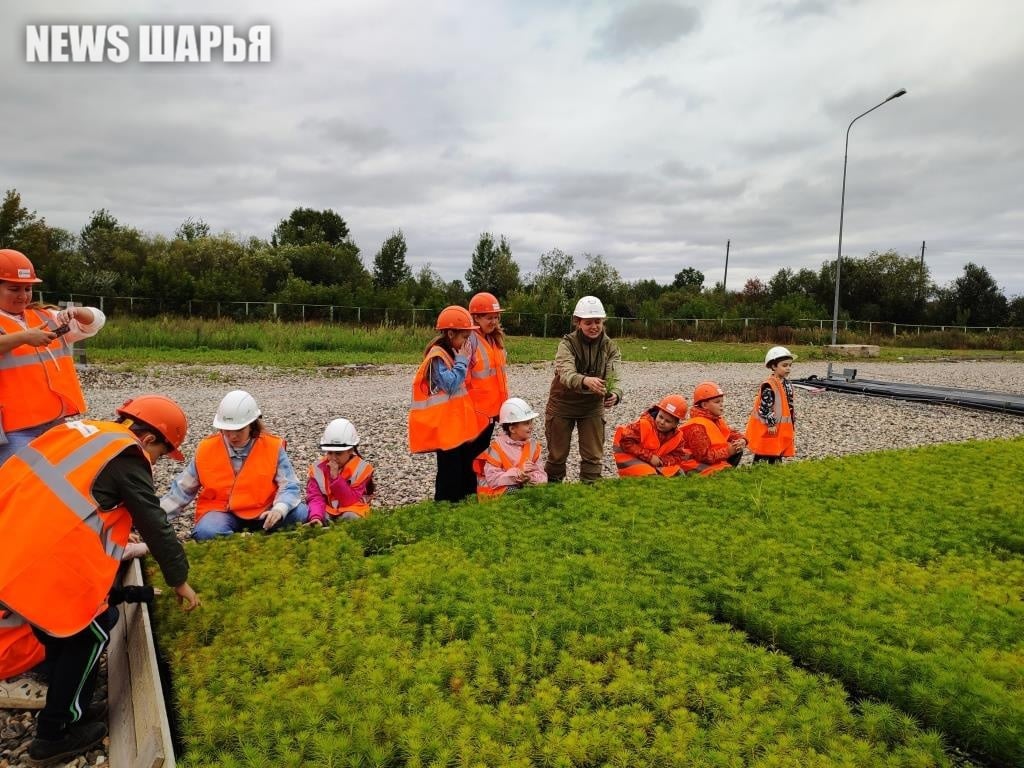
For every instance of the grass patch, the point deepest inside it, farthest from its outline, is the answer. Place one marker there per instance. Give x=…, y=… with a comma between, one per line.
x=571, y=625
x=174, y=340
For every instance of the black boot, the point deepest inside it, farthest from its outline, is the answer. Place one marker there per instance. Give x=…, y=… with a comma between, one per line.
x=77, y=739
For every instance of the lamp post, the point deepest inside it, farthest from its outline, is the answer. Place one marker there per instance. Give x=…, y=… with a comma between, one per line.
x=842, y=206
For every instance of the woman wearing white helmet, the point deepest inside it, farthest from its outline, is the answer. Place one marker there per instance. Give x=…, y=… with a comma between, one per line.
x=340, y=485
x=771, y=428
x=513, y=458
x=584, y=386
x=240, y=477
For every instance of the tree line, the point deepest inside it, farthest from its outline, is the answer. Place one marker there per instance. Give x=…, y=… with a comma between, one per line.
x=312, y=259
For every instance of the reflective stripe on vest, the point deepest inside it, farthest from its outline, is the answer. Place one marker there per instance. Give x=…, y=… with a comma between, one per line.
x=61, y=551
x=496, y=456
x=438, y=420
x=247, y=494
x=760, y=442
x=488, y=375
x=37, y=384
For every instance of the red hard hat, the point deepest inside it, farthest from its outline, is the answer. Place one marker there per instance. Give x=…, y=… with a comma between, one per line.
x=484, y=303
x=162, y=414
x=455, y=319
x=673, y=405
x=16, y=268
x=706, y=390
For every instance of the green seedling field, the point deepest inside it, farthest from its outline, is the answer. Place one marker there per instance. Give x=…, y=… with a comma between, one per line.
x=855, y=612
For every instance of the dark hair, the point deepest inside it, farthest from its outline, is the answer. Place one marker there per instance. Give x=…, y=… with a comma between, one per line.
x=140, y=428
x=256, y=429
x=442, y=340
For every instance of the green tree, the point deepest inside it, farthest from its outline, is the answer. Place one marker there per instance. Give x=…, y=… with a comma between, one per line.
x=689, y=279
x=599, y=278
x=305, y=226
x=492, y=267
x=113, y=255
x=390, y=269
x=325, y=264
x=24, y=231
x=974, y=298
x=549, y=283
x=192, y=229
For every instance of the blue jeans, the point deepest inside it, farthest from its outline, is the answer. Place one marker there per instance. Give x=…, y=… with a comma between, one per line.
x=214, y=524
x=18, y=440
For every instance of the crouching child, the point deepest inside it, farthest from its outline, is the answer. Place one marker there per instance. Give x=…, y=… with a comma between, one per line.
x=653, y=444
x=513, y=458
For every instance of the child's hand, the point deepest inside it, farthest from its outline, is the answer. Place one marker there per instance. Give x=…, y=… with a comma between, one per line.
x=656, y=461
x=594, y=384
x=529, y=467
x=465, y=350
x=38, y=337
x=773, y=430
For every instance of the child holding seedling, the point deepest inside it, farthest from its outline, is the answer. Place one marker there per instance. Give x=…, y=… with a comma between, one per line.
x=771, y=428
x=713, y=443
x=341, y=483
x=653, y=445
x=583, y=388
x=512, y=459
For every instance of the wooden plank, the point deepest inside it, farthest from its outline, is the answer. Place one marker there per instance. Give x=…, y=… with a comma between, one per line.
x=140, y=734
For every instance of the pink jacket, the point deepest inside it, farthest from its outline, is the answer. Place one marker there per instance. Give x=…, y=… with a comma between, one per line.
x=494, y=477
x=341, y=490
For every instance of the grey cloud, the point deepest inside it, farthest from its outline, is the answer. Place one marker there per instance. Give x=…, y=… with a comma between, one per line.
x=362, y=138
x=644, y=27
x=788, y=11
x=663, y=88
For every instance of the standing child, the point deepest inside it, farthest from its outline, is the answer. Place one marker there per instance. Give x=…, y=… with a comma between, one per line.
x=241, y=476
x=712, y=442
x=512, y=459
x=586, y=369
x=771, y=428
x=488, y=364
x=442, y=418
x=653, y=445
x=341, y=483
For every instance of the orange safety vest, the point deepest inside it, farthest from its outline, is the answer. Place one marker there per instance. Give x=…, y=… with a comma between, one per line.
x=439, y=421
x=718, y=439
x=356, y=472
x=37, y=384
x=19, y=648
x=633, y=466
x=497, y=457
x=488, y=376
x=247, y=494
x=782, y=442
x=61, y=551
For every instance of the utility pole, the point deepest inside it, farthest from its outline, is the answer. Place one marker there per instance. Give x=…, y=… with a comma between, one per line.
x=921, y=289
x=726, y=275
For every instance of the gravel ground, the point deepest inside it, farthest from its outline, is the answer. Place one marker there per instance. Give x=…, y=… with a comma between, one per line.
x=297, y=406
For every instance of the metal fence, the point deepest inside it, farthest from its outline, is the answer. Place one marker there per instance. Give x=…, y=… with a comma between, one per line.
x=519, y=323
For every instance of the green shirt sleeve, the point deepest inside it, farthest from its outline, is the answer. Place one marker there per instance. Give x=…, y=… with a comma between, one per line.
x=127, y=480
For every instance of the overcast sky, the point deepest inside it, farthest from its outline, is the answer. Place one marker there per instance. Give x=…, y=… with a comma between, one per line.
x=648, y=132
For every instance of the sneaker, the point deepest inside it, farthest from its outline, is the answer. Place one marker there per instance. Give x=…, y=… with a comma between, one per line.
x=79, y=737
x=22, y=693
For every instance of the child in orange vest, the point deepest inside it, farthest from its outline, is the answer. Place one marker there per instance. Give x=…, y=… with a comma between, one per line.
x=341, y=483
x=653, y=445
x=771, y=428
x=712, y=442
x=513, y=458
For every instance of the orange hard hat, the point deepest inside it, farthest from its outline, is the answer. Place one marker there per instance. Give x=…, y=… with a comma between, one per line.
x=162, y=414
x=16, y=268
x=706, y=390
x=484, y=303
x=455, y=319
x=673, y=405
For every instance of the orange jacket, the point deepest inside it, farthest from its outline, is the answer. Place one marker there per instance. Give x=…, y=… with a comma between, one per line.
x=61, y=552
x=652, y=442
x=248, y=494
x=356, y=471
x=437, y=420
x=782, y=442
x=488, y=376
x=497, y=457
x=36, y=388
x=19, y=648
x=717, y=434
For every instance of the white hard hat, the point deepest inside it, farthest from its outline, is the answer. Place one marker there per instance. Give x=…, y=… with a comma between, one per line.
x=588, y=307
x=777, y=353
x=238, y=409
x=339, y=435
x=515, y=410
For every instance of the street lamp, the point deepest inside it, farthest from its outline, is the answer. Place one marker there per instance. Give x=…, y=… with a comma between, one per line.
x=842, y=206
